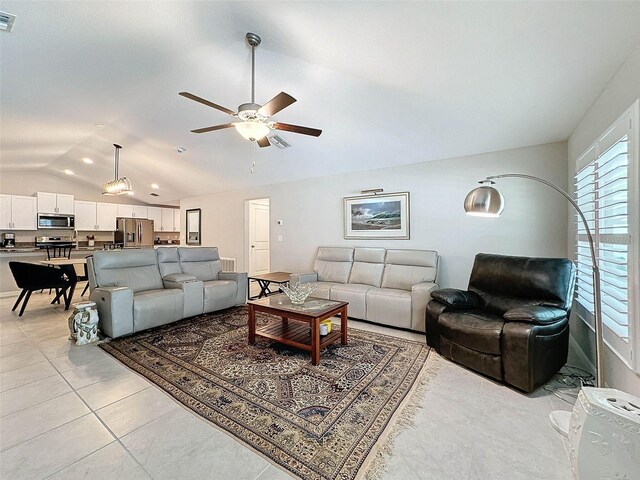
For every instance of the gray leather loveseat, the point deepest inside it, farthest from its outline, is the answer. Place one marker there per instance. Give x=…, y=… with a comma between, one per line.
x=386, y=286
x=139, y=289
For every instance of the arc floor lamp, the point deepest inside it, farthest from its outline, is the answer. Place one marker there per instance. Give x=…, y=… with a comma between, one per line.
x=486, y=201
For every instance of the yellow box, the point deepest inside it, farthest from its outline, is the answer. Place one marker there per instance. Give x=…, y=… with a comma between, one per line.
x=328, y=323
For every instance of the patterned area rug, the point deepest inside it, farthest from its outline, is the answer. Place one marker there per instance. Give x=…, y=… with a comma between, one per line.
x=322, y=422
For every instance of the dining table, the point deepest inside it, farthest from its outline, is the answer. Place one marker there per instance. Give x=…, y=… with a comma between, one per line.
x=67, y=265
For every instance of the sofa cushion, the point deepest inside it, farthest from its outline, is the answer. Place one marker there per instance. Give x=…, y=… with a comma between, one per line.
x=405, y=268
x=368, y=266
x=136, y=269
x=475, y=330
x=168, y=261
x=203, y=263
x=534, y=281
x=153, y=308
x=219, y=294
x=333, y=264
x=389, y=306
x=323, y=289
x=353, y=293
x=366, y=273
x=369, y=254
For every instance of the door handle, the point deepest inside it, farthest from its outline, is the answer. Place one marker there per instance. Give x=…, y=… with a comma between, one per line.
x=253, y=246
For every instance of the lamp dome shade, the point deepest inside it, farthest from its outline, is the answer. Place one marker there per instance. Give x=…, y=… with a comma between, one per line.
x=484, y=201
x=252, y=130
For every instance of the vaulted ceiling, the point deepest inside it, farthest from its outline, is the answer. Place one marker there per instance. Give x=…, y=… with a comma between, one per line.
x=389, y=83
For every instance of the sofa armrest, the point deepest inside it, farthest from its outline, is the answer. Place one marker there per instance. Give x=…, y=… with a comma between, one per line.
x=420, y=296
x=241, y=279
x=532, y=354
x=460, y=299
x=303, y=278
x=178, y=278
x=192, y=293
x=535, y=314
x=115, y=309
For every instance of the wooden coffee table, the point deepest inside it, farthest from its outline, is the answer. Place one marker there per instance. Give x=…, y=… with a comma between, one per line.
x=300, y=324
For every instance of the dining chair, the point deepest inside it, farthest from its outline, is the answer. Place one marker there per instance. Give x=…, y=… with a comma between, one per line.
x=31, y=277
x=58, y=251
x=85, y=277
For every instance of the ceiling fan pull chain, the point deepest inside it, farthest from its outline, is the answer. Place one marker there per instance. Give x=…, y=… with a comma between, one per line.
x=253, y=164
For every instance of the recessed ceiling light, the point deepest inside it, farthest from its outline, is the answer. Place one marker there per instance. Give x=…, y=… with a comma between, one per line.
x=155, y=186
x=130, y=192
x=99, y=125
x=69, y=172
x=181, y=149
x=88, y=161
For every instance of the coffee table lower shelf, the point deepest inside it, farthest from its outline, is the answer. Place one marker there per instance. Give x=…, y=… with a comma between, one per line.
x=296, y=334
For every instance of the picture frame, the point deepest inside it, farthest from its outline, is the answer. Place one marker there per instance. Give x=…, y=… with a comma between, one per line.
x=194, y=227
x=384, y=216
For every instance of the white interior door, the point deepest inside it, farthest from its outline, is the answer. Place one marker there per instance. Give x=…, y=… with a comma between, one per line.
x=259, y=256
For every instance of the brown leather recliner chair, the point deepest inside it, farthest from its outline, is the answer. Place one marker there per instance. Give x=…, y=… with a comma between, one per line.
x=512, y=322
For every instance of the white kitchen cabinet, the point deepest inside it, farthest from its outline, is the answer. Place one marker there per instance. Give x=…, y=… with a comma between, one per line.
x=140, y=211
x=125, y=211
x=176, y=220
x=106, y=214
x=55, y=203
x=132, y=211
x=155, y=214
x=5, y=211
x=86, y=216
x=19, y=212
x=167, y=220
x=65, y=203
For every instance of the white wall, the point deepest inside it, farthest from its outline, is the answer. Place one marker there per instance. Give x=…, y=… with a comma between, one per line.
x=533, y=223
x=620, y=93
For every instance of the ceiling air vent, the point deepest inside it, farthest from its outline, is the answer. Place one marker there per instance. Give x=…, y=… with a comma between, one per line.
x=154, y=194
x=6, y=21
x=279, y=142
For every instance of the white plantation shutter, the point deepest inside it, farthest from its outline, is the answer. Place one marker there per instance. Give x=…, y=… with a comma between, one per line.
x=607, y=192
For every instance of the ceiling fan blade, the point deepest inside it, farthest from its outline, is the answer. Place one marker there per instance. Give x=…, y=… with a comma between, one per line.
x=193, y=97
x=296, y=129
x=264, y=142
x=277, y=103
x=211, y=129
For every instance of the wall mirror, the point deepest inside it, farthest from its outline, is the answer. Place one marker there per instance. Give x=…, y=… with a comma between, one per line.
x=193, y=226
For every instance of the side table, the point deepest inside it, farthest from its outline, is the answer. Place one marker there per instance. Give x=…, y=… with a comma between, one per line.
x=265, y=281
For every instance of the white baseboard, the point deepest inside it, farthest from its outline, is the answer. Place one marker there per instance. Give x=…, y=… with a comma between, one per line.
x=9, y=294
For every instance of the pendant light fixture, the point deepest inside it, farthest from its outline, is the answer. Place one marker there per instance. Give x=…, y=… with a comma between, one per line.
x=119, y=185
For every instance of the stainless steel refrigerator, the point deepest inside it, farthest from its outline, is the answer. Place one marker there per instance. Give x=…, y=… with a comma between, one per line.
x=134, y=232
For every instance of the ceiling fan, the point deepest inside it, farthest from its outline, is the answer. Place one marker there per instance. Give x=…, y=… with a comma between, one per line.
x=255, y=121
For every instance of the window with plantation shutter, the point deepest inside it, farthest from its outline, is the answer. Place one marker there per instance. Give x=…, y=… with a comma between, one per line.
x=606, y=190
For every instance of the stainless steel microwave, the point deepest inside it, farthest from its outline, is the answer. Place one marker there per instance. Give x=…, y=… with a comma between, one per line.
x=56, y=221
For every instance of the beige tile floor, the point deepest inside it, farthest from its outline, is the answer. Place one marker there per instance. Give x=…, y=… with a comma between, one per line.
x=69, y=412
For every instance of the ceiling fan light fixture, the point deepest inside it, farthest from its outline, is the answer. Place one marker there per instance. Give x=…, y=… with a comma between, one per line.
x=252, y=130
x=118, y=186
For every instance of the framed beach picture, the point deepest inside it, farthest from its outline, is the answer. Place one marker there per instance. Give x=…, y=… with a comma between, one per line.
x=383, y=216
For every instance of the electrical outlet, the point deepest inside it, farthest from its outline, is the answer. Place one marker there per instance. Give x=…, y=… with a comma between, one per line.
x=280, y=238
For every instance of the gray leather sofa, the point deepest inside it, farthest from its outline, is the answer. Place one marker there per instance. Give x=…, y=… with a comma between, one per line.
x=139, y=289
x=386, y=286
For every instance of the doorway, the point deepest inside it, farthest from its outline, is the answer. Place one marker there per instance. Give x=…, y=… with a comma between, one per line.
x=257, y=225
